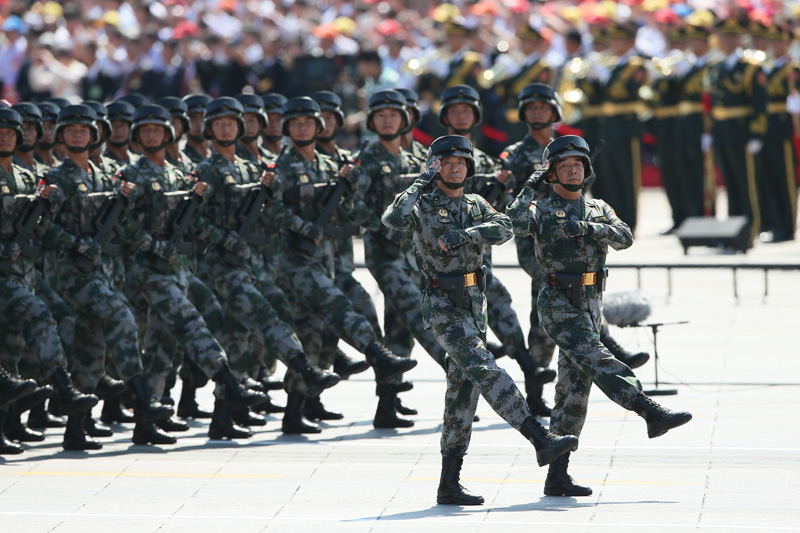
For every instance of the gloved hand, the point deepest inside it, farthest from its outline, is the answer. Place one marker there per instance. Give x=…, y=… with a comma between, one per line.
x=234, y=244
x=165, y=250
x=705, y=142
x=573, y=228
x=454, y=239
x=89, y=249
x=10, y=251
x=312, y=232
x=793, y=103
x=537, y=177
x=428, y=175
x=754, y=146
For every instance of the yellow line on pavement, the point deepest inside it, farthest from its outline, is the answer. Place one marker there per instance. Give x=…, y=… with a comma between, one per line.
x=145, y=474
x=596, y=482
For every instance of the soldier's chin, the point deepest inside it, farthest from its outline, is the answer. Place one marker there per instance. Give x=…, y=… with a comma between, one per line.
x=454, y=186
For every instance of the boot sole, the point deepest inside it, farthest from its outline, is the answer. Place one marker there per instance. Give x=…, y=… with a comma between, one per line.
x=676, y=420
x=77, y=407
x=153, y=442
x=82, y=446
x=567, y=493
x=456, y=501
x=551, y=453
x=11, y=450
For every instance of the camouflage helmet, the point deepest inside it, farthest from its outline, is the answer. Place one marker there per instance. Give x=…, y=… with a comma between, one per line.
x=120, y=110
x=273, y=102
x=196, y=103
x=460, y=94
x=176, y=108
x=412, y=103
x=102, y=116
x=453, y=146
x=390, y=99
x=300, y=107
x=30, y=113
x=253, y=104
x=137, y=100
x=329, y=101
x=223, y=107
x=538, y=92
x=153, y=114
x=11, y=119
x=78, y=114
x=49, y=111
x=566, y=146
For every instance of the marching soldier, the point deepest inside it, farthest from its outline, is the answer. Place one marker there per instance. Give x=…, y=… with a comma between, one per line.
x=196, y=144
x=179, y=118
x=272, y=136
x=44, y=148
x=407, y=141
x=120, y=115
x=32, y=133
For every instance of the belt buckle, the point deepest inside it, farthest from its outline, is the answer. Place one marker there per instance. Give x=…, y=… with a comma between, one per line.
x=470, y=279
x=589, y=278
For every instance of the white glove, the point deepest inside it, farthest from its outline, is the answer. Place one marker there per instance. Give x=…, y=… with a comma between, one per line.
x=754, y=146
x=793, y=103
x=706, y=140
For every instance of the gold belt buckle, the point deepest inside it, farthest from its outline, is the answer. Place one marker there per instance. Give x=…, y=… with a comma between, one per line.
x=470, y=279
x=589, y=278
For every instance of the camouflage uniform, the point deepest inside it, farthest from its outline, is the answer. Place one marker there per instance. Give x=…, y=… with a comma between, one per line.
x=576, y=329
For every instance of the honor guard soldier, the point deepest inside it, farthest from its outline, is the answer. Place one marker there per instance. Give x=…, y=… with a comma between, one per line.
x=196, y=144
x=739, y=111
x=572, y=236
x=450, y=231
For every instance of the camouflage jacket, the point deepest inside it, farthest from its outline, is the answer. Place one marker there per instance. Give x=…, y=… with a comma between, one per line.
x=183, y=163
x=195, y=156
x=522, y=159
x=557, y=254
x=429, y=216
x=116, y=162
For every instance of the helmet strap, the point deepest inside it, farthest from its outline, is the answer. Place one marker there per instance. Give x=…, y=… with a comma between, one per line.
x=324, y=139
x=453, y=186
x=196, y=138
x=540, y=125
x=273, y=138
x=6, y=153
x=249, y=138
x=26, y=147
x=77, y=149
x=46, y=146
x=389, y=136
x=461, y=131
x=117, y=144
x=305, y=142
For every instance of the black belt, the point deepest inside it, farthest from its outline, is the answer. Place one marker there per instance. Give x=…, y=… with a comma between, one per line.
x=574, y=282
x=454, y=284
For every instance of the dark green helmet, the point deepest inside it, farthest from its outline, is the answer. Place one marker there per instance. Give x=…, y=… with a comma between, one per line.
x=137, y=100
x=253, y=104
x=329, y=101
x=78, y=114
x=273, y=102
x=152, y=114
x=102, y=117
x=460, y=94
x=120, y=110
x=387, y=99
x=538, y=92
x=300, y=107
x=223, y=107
x=11, y=119
x=453, y=146
x=30, y=113
x=196, y=103
x=59, y=102
x=412, y=102
x=176, y=108
x=566, y=146
x=49, y=111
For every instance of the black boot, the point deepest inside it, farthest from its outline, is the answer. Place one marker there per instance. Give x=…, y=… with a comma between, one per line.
x=145, y=408
x=236, y=394
x=270, y=407
x=293, y=423
x=109, y=387
x=145, y=433
x=187, y=405
x=113, y=412
x=314, y=410
x=386, y=364
x=16, y=430
x=450, y=491
x=39, y=418
x=75, y=436
x=534, y=373
x=560, y=483
x=246, y=418
x=659, y=419
x=172, y=424
x=404, y=409
x=386, y=415
x=315, y=378
x=497, y=350
x=93, y=429
x=548, y=445
x=346, y=366
x=67, y=399
x=38, y=396
x=267, y=380
x=222, y=425
x=632, y=360
x=534, y=399
x=12, y=389
x=6, y=446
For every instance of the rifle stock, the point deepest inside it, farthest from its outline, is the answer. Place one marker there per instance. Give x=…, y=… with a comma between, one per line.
x=25, y=224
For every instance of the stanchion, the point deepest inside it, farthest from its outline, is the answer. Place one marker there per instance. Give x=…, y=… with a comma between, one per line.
x=654, y=328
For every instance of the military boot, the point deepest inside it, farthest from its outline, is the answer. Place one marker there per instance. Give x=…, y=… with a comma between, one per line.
x=171, y=424
x=313, y=409
x=346, y=366
x=222, y=425
x=16, y=430
x=7, y=447
x=236, y=394
x=535, y=401
x=386, y=364
x=314, y=377
x=38, y=396
x=659, y=419
x=246, y=418
x=270, y=406
x=386, y=415
x=39, y=418
x=497, y=350
x=187, y=404
x=548, y=445
x=109, y=387
x=75, y=436
x=450, y=491
x=632, y=360
x=95, y=429
x=114, y=413
x=145, y=408
x=293, y=423
x=267, y=380
x=67, y=399
x=534, y=373
x=12, y=389
x=145, y=433
x=560, y=483
x=403, y=409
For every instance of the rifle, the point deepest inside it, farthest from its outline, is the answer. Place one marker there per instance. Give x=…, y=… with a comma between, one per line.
x=105, y=223
x=179, y=226
x=25, y=224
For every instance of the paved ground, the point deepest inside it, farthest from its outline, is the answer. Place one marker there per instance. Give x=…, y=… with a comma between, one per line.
x=735, y=467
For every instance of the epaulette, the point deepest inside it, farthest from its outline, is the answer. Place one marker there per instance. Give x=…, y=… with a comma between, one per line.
x=638, y=61
x=472, y=57
x=755, y=59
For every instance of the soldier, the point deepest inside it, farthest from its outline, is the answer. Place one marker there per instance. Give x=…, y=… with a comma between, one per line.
x=33, y=131
x=450, y=231
x=44, y=148
x=308, y=267
x=107, y=165
x=272, y=136
x=120, y=115
x=179, y=117
x=196, y=144
x=739, y=111
x=572, y=236
x=384, y=169
x=414, y=147
x=460, y=111
x=27, y=322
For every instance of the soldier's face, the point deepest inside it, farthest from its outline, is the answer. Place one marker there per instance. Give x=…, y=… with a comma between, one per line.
x=274, y=126
x=151, y=135
x=728, y=42
x=460, y=116
x=196, y=124
x=387, y=121
x=48, y=129
x=177, y=125
x=453, y=169
x=29, y=133
x=252, y=126
x=77, y=135
x=302, y=128
x=570, y=170
x=330, y=123
x=8, y=140
x=538, y=112
x=225, y=128
x=120, y=130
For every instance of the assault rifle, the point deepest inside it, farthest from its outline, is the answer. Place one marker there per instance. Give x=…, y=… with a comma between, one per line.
x=179, y=227
x=106, y=222
x=25, y=224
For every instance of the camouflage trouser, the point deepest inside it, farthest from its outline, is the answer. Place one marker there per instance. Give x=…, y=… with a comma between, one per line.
x=540, y=344
x=104, y=324
x=27, y=322
x=472, y=371
x=60, y=311
x=582, y=359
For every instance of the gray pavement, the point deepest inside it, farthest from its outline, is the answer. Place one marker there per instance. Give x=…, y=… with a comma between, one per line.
x=734, y=467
